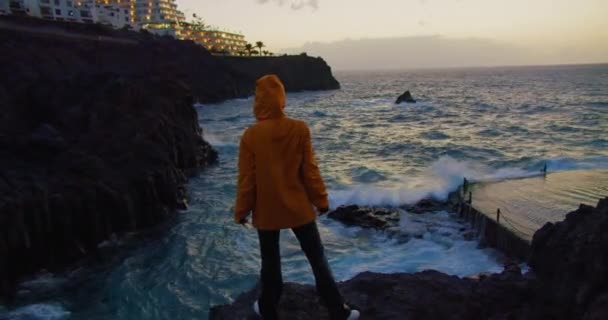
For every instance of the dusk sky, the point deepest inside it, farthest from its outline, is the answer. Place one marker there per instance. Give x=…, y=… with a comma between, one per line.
x=532, y=31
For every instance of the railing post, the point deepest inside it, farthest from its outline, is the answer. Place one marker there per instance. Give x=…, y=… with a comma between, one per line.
x=470, y=197
x=498, y=215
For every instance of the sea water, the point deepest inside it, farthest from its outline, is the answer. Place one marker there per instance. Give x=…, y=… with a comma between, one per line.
x=483, y=124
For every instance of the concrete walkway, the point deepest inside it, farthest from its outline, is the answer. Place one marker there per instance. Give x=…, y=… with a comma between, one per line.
x=527, y=204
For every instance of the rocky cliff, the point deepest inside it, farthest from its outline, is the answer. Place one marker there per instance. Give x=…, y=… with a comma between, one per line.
x=98, y=133
x=568, y=280
x=298, y=73
x=34, y=50
x=83, y=159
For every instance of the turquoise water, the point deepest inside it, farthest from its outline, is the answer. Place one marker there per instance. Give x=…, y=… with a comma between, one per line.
x=479, y=123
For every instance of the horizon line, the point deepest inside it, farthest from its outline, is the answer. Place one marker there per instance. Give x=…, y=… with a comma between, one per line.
x=475, y=67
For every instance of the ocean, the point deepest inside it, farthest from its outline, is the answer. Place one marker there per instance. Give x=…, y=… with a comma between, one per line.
x=482, y=124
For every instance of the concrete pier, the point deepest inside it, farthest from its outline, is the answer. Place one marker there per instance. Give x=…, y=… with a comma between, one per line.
x=507, y=213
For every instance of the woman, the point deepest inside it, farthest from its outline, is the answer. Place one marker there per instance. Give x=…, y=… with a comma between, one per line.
x=279, y=183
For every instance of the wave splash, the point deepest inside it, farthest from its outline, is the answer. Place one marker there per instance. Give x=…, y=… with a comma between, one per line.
x=444, y=176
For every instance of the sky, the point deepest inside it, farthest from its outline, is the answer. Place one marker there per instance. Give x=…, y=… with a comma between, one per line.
x=510, y=32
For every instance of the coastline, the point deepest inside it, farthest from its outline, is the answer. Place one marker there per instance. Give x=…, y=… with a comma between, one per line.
x=554, y=288
x=99, y=134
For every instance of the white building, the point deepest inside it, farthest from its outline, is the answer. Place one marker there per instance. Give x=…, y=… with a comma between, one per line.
x=117, y=13
x=83, y=11
x=62, y=10
x=113, y=14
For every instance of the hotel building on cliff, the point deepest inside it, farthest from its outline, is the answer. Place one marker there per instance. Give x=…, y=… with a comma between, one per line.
x=216, y=41
x=159, y=17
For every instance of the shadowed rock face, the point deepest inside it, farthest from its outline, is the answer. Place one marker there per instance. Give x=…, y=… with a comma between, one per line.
x=571, y=260
x=568, y=281
x=81, y=160
x=33, y=57
x=298, y=73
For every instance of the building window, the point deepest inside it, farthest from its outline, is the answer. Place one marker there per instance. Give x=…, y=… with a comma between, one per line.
x=57, y=2
x=45, y=11
x=85, y=14
x=58, y=12
x=69, y=3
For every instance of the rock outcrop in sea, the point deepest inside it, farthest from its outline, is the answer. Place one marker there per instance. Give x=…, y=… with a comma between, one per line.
x=98, y=133
x=405, y=97
x=568, y=280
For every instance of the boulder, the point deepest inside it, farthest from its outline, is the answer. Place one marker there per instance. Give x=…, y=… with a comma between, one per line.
x=405, y=97
x=366, y=217
x=426, y=205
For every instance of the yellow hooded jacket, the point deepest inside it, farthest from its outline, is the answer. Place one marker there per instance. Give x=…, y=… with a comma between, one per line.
x=279, y=180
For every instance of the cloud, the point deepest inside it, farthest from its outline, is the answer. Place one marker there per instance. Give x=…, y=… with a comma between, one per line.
x=294, y=4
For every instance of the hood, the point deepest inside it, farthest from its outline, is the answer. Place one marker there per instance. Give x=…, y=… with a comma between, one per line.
x=269, y=98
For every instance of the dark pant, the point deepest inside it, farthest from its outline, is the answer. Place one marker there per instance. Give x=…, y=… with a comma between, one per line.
x=272, y=280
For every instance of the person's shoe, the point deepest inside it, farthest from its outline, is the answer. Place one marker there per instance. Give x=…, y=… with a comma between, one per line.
x=354, y=315
x=256, y=308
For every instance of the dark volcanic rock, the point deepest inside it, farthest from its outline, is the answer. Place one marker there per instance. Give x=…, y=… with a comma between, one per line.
x=405, y=97
x=426, y=205
x=427, y=295
x=90, y=50
x=298, y=73
x=366, y=217
x=570, y=259
x=82, y=160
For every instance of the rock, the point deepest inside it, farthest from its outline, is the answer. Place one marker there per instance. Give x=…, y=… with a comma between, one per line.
x=424, y=295
x=405, y=97
x=426, y=205
x=298, y=73
x=107, y=156
x=211, y=78
x=47, y=136
x=570, y=258
x=366, y=217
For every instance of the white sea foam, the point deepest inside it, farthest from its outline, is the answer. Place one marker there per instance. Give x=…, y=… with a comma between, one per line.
x=38, y=312
x=435, y=242
x=443, y=177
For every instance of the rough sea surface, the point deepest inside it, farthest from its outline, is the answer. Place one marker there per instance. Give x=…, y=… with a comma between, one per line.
x=481, y=124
